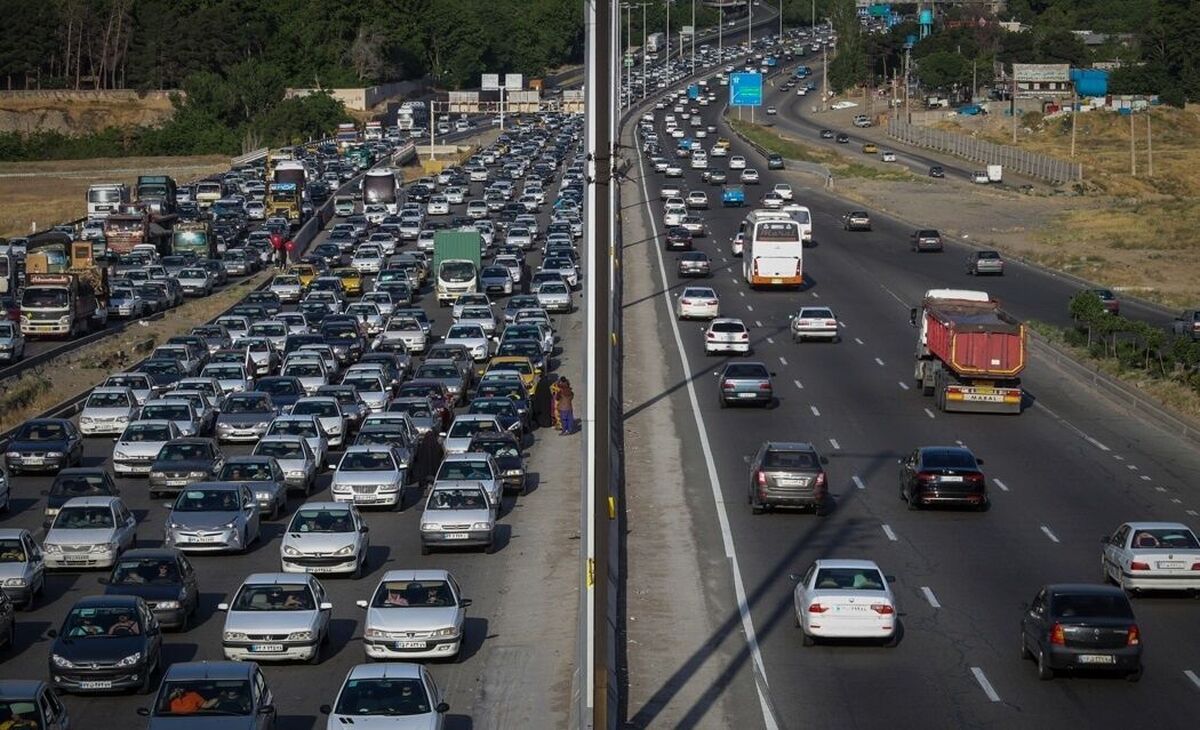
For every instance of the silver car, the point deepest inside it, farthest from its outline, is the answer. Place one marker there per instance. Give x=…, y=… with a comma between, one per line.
x=213, y=516
x=380, y=299
x=12, y=342
x=463, y=429
x=108, y=411
x=371, y=389
x=555, y=296
x=276, y=617
x=474, y=299
x=232, y=377
x=295, y=457
x=307, y=427
x=288, y=287
x=472, y=467
x=372, y=475
x=264, y=476
x=407, y=330
x=140, y=383
x=325, y=537
x=480, y=315
x=414, y=614
x=369, y=315
x=89, y=532
x=310, y=371
x=458, y=514
x=449, y=374
x=496, y=278
x=472, y=336
x=138, y=445
x=22, y=569
x=178, y=411
x=328, y=412
x=195, y=281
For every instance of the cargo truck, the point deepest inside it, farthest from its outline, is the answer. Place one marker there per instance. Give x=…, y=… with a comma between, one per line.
x=457, y=256
x=655, y=42
x=347, y=135
x=970, y=352
x=156, y=193
x=194, y=237
x=373, y=132
x=131, y=226
x=63, y=305
x=104, y=198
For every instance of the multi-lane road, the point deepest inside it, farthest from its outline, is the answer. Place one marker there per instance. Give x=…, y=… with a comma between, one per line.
x=1068, y=470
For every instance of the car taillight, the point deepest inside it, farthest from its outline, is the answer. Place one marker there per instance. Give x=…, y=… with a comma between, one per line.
x=685, y=301
x=727, y=385
x=799, y=267
x=1134, y=637
x=1136, y=565
x=1195, y=566
x=831, y=323
x=883, y=609
x=764, y=386
x=817, y=608
x=710, y=335
x=761, y=476
x=1057, y=636
x=924, y=476
x=744, y=336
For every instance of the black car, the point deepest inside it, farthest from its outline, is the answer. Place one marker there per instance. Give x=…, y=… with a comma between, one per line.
x=284, y=390
x=268, y=299
x=787, y=474
x=106, y=643
x=182, y=462
x=506, y=450
x=77, y=482
x=679, y=239
x=164, y=372
x=1082, y=626
x=774, y=161
x=937, y=171
x=44, y=444
x=936, y=475
x=843, y=138
x=163, y=578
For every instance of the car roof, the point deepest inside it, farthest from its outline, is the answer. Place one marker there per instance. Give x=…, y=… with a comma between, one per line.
x=106, y=599
x=93, y=501
x=790, y=446
x=332, y=506
x=1158, y=526
x=926, y=450
x=21, y=689
x=1085, y=588
x=218, y=486
x=210, y=670
x=846, y=563
x=278, y=578
x=416, y=574
x=12, y=533
x=385, y=670
x=160, y=553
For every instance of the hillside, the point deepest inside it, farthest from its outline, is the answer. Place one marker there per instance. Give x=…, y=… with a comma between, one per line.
x=81, y=112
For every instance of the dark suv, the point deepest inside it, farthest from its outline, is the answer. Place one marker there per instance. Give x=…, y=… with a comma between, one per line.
x=787, y=474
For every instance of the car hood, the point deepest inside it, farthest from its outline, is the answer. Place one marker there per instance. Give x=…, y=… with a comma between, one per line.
x=140, y=448
x=19, y=445
x=318, y=542
x=215, y=722
x=178, y=466
x=200, y=520
x=98, y=649
x=80, y=537
x=94, y=412
x=414, y=618
x=148, y=592
x=366, y=477
x=427, y=721
x=244, y=419
x=13, y=570
x=457, y=444
x=276, y=622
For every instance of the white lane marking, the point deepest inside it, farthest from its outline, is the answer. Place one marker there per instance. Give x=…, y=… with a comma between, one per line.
x=1131, y=467
x=903, y=385
x=749, y=307
x=771, y=340
x=814, y=410
x=1146, y=478
x=739, y=585
x=1070, y=426
x=741, y=293
x=1002, y=485
x=1161, y=489
x=929, y=413
x=1193, y=513
x=858, y=482
x=894, y=296
x=834, y=444
x=1096, y=443
x=798, y=384
x=859, y=341
x=1192, y=676
x=880, y=362
x=816, y=295
x=988, y=689
x=758, y=323
x=782, y=360
x=1176, y=500
x=933, y=601
x=887, y=530
x=1118, y=457
x=1049, y=534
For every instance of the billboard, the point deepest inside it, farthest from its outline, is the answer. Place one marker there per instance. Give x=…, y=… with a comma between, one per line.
x=490, y=82
x=745, y=89
x=688, y=30
x=513, y=82
x=1041, y=72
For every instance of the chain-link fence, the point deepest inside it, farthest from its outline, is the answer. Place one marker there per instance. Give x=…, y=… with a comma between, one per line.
x=1013, y=159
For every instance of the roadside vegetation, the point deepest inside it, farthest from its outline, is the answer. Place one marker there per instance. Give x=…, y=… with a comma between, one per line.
x=793, y=149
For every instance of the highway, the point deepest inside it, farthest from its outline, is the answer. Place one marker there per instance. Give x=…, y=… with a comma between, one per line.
x=519, y=625
x=1064, y=473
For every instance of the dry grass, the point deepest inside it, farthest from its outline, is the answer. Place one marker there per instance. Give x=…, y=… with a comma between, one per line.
x=81, y=116
x=65, y=377
x=795, y=149
x=48, y=193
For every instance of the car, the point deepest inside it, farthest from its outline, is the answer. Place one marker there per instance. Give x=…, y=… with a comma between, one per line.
x=264, y=475
x=108, y=410
x=1108, y=300
x=77, y=482
x=784, y=191
x=937, y=171
x=749, y=176
x=772, y=111
x=775, y=161
x=414, y=614
x=843, y=138
x=12, y=341
x=555, y=296
x=787, y=474
x=207, y=694
x=772, y=201
x=245, y=416
x=980, y=177
x=888, y=156
x=213, y=516
x=401, y=694
x=182, y=462
x=845, y=599
x=138, y=445
x=32, y=704
x=89, y=532
x=678, y=238
x=1069, y=626
x=856, y=220
x=44, y=444
x=737, y=162
x=163, y=578
x=697, y=199
x=925, y=239
x=673, y=171
x=870, y=148
x=940, y=475
x=519, y=365
x=22, y=570
x=276, y=617
x=694, y=263
x=372, y=475
x=826, y=134
x=325, y=537
x=295, y=457
x=181, y=412
x=472, y=337
x=726, y=334
x=814, y=323
x=472, y=468
x=106, y=643
x=745, y=382
x=698, y=302
x=1152, y=556
x=985, y=262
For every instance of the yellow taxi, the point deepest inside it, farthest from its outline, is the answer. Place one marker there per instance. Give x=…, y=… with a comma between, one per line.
x=352, y=281
x=722, y=143
x=306, y=273
x=519, y=364
x=870, y=149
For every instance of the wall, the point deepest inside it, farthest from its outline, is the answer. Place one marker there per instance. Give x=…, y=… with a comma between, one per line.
x=366, y=98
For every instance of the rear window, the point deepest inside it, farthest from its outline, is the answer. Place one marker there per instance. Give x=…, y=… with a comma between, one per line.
x=746, y=371
x=790, y=459
x=1110, y=605
x=728, y=327
x=948, y=459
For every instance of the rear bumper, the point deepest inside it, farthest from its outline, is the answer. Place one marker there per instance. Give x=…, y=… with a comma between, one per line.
x=1160, y=582
x=1125, y=659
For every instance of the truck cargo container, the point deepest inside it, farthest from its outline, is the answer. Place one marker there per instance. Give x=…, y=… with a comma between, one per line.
x=156, y=193
x=970, y=352
x=63, y=305
x=457, y=256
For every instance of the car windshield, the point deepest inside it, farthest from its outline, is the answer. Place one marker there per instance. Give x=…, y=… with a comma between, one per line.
x=84, y=518
x=498, y=449
x=790, y=459
x=207, y=500
x=1090, y=605
x=464, y=471
x=101, y=621
x=246, y=471
x=204, y=697
x=108, y=400
x=413, y=594
x=184, y=452
x=369, y=385
x=12, y=551
x=126, y=381
x=281, y=386
x=79, y=485
x=391, y=697
x=274, y=597
x=141, y=432
x=438, y=371
x=246, y=404
x=284, y=449
x=367, y=461
x=322, y=520
x=304, y=370
x=988, y=255
x=1171, y=538
x=948, y=459
x=316, y=408
x=148, y=571
x=856, y=579
x=41, y=432
x=468, y=428
x=167, y=412
x=224, y=372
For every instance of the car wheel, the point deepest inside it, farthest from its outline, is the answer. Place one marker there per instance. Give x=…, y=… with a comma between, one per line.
x=1044, y=671
x=807, y=639
x=912, y=504
x=1135, y=675
x=316, y=655
x=755, y=507
x=147, y=685
x=892, y=641
x=1025, y=653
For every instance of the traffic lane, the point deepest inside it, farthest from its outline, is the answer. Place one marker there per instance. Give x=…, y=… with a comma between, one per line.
x=833, y=387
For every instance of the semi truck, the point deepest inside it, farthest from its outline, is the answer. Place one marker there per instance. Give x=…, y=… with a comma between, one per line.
x=156, y=193
x=104, y=198
x=132, y=225
x=195, y=237
x=347, y=135
x=970, y=353
x=63, y=305
x=457, y=256
x=380, y=187
x=655, y=42
x=373, y=132
x=285, y=191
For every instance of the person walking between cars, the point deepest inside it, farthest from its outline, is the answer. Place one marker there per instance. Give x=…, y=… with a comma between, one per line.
x=566, y=407
x=543, y=404
x=288, y=247
x=277, y=249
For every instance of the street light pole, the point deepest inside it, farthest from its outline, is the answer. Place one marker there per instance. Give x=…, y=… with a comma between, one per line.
x=645, y=79
x=780, y=21
x=667, y=53
x=720, y=30
x=693, y=37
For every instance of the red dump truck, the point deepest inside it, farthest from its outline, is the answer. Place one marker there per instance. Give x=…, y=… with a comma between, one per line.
x=970, y=352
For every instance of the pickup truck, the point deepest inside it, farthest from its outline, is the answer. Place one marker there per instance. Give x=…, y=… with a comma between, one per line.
x=733, y=196
x=1187, y=324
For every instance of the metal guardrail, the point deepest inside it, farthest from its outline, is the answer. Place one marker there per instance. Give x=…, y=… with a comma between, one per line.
x=249, y=157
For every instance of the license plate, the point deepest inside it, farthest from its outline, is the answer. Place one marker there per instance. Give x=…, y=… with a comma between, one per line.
x=204, y=538
x=456, y=535
x=96, y=684
x=951, y=479
x=1171, y=564
x=746, y=395
x=776, y=281
x=34, y=460
x=75, y=561
x=264, y=648
x=791, y=482
x=1097, y=659
x=410, y=644
x=177, y=482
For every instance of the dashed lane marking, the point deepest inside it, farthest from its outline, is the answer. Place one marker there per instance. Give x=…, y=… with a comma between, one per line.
x=782, y=360
x=929, y=413
x=933, y=601
x=1002, y=485
x=887, y=530
x=903, y=385
x=859, y=341
x=988, y=689
x=798, y=384
x=835, y=444
x=879, y=362
x=1046, y=531
x=814, y=410
x=858, y=482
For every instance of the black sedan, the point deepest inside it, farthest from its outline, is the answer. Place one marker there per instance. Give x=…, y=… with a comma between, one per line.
x=106, y=643
x=1082, y=626
x=843, y=138
x=937, y=171
x=163, y=578
x=44, y=444
x=77, y=482
x=679, y=239
x=935, y=475
x=506, y=450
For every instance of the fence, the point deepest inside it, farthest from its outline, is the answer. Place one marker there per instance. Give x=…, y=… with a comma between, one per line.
x=1013, y=159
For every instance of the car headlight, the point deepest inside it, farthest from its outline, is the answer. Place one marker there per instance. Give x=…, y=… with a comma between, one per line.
x=300, y=636
x=61, y=661
x=197, y=474
x=430, y=527
x=85, y=419
x=481, y=526
x=168, y=605
x=157, y=475
x=262, y=496
x=13, y=454
x=376, y=634
x=130, y=660
x=446, y=632
x=104, y=547
x=54, y=454
x=291, y=551
x=119, y=455
x=512, y=473
x=14, y=582
x=229, y=525
x=348, y=550
x=234, y=636
x=51, y=548
x=296, y=473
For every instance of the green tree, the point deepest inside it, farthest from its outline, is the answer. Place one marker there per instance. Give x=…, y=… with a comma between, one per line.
x=944, y=71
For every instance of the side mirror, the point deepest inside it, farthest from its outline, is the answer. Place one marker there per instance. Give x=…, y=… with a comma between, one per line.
x=464, y=602
x=365, y=529
x=222, y=606
x=326, y=606
x=1105, y=540
x=46, y=492
x=824, y=459
x=360, y=604
x=266, y=710
x=143, y=711
x=325, y=709
x=52, y=633
x=912, y=317
x=168, y=505
x=103, y=580
x=442, y=708
x=979, y=462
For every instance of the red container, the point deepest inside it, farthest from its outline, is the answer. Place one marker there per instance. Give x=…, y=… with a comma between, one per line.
x=975, y=339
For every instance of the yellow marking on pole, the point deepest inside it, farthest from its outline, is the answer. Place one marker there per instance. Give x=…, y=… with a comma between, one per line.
x=591, y=572
x=612, y=508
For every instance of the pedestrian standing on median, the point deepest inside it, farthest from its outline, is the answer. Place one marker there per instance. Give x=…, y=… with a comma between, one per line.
x=289, y=247
x=543, y=404
x=566, y=407
x=555, y=389
x=276, y=248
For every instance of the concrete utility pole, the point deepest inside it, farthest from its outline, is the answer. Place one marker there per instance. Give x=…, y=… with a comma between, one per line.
x=667, y=50
x=627, y=62
x=1014, y=108
x=693, y=37
x=907, y=63
x=814, y=17
x=781, y=20
x=1149, y=148
x=720, y=30
x=1074, y=117
x=1132, y=146
x=645, y=79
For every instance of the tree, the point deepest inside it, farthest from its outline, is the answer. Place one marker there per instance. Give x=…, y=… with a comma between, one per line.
x=944, y=71
x=849, y=66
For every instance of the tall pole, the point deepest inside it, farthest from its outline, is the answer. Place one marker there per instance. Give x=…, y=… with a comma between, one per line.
x=814, y=17
x=1014, y=107
x=974, y=78
x=1074, y=116
x=1132, y=146
x=667, y=52
x=720, y=30
x=780, y=21
x=627, y=61
x=645, y=79
x=693, y=37
x=907, y=62
x=1149, y=148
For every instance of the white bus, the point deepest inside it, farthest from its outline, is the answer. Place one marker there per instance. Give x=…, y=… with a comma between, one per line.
x=773, y=249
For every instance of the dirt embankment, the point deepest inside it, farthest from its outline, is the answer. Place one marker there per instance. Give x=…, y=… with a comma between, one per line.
x=81, y=112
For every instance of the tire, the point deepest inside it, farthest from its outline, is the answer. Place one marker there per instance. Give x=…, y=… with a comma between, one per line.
x=807, y=640
x=147, y=685
x=1136, y=675
x=892, y=641
x=316, y=657
x=1026, y=655
x=912, y=504
x=755, y=508
x=1044, y=672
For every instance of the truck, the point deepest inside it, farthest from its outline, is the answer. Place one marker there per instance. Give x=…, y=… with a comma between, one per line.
x=208, y=192
x=104, y=198
x=380, y=187
x=134, y=225
x=655, y=42
x=995, y=173
x=347, y=135
x=410, y=115
x=970, y=353
x=156, y=193
x=194, y=237
x=65, y=304
x=373, y=132
x=285, y=190
x=457, y=256
x=733, y=196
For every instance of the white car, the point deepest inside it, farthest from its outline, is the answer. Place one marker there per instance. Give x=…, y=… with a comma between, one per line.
x=784, y=191
x=139, y=444
x=367, y=260
x=847, y=599
x=325, y=537
x=89, y=532
x=1150, y=556
x=726, y=334
x=390, y=694
x=772, y=201
x=697, y=199
x=256, y=210
x=438, y=205
x=888, y=156
x=673, y=171
x=455, y=195
x=674, y=215
x=699, y=160
x=737, y=244
x=750, y=176
x=276, y=616
x=370, y=475
x=718, y=151
x=414, y=614
x=737, y=162
x=814, y=323
x=108, y=411
x=470, y=336
x=698, y=302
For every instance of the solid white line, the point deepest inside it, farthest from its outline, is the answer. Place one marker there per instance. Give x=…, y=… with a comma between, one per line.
x=739, y=586
x=879, y=361
x=1049, y=534
x=887, y=530
x=771, y=340
x=858, y=482
x=859, y=341
x=894, y=296
x=933, y=601
x=799, y=384
x=988, y=689
x=1192, y=676
x=814, y=410
x=834, y=444
x=903, y=385
x=1096, y=443
x=929, y=413
x=1002, y=485
x=782, y=360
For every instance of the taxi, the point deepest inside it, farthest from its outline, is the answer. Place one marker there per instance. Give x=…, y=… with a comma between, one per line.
x=352, y=281
x=518, y=364
x=307, y=273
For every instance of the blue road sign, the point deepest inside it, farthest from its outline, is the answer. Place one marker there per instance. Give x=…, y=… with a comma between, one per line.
x=745, y=89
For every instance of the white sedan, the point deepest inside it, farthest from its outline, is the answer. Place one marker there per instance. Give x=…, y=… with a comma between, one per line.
x=814, y=323
x=848, y=599
x=784, y=191
x=1149, y=556
x=697, y=199
x=674, y=215
x=726, y=334
x=888, y=156
x=673, y=171
x=772, y=201
x=750, y=176
x=698, y=302
x=737, y=162
x=718, y=151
